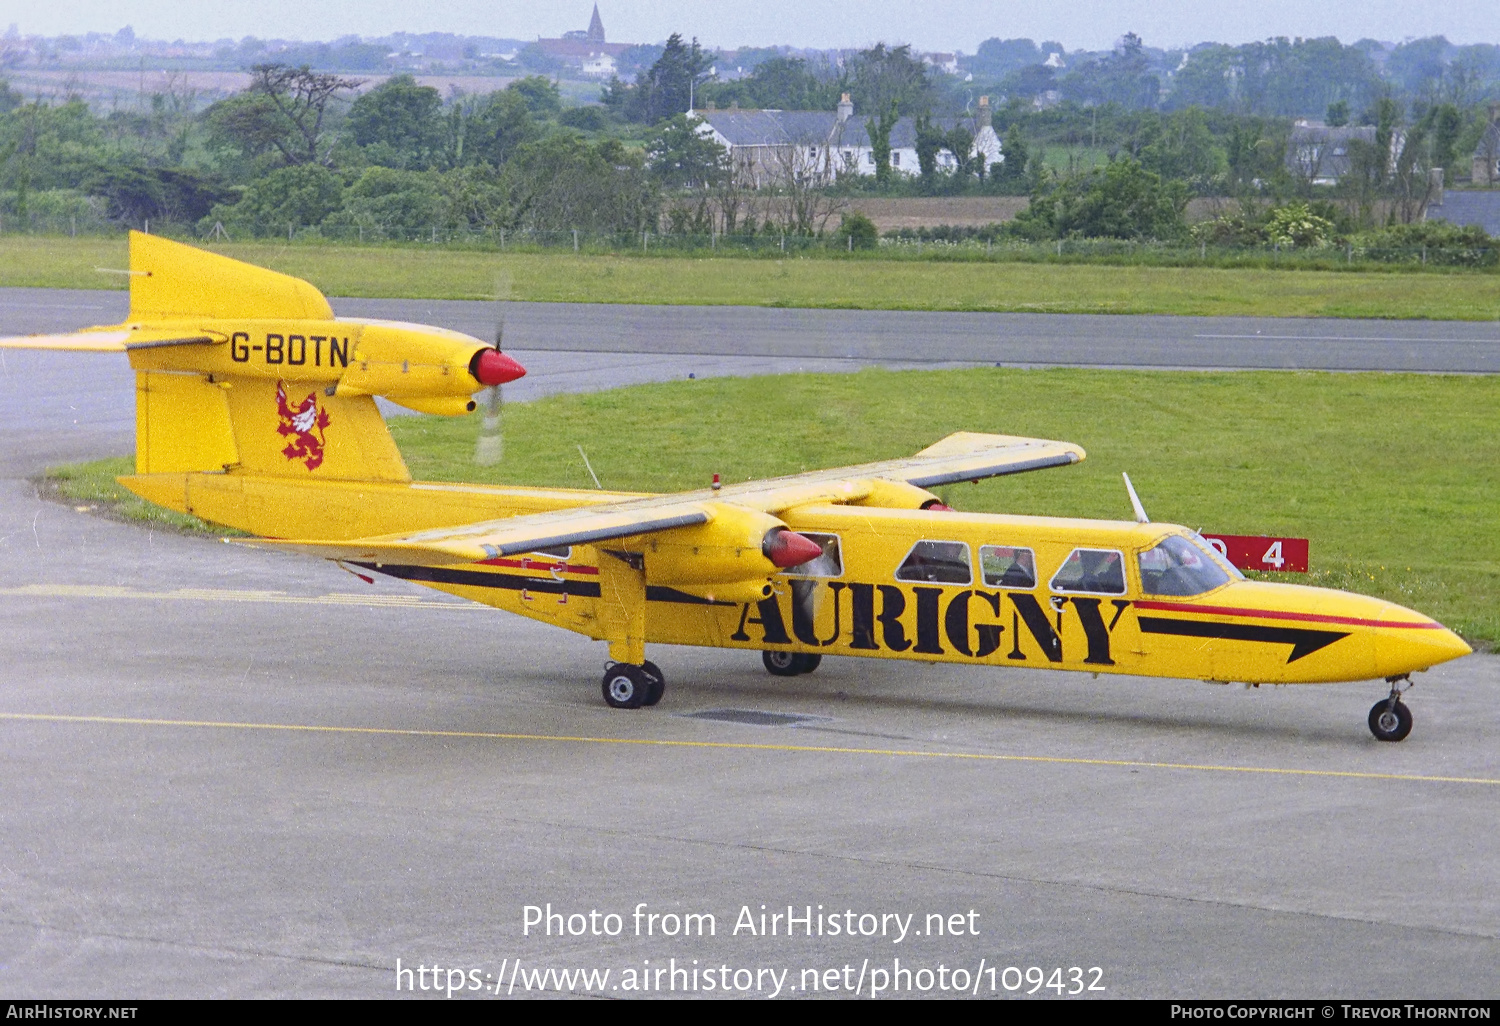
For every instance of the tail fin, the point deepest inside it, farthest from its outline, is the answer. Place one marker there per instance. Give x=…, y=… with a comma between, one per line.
x=245, y=372
x=173, y=282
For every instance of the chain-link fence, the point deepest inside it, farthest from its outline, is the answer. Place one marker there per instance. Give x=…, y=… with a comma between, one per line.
x=1353, y=253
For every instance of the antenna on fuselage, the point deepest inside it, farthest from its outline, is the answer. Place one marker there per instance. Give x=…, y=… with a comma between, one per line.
x=1135, y=501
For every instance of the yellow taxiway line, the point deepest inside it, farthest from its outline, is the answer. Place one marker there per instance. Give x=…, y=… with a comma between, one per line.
x=743, y=746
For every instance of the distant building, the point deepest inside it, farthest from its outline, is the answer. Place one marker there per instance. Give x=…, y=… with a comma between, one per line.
x=1320, y=155
x=773, y=145
x=947, y=63
x=586, y=49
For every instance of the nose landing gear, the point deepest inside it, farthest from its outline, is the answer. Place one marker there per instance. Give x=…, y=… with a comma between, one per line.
x=1390, y=719
x=790, y=664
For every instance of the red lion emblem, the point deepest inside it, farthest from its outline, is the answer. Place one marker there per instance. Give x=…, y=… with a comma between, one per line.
x=304, y=426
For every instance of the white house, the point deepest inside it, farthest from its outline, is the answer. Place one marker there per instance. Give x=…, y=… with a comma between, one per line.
x=775, y=144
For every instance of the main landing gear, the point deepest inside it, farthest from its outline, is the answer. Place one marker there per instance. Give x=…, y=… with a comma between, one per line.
x=627, y=686
x=790, y=664
x=1390, y=719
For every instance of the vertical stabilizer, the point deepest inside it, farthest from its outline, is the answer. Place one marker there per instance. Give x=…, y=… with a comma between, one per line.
x=170, y=281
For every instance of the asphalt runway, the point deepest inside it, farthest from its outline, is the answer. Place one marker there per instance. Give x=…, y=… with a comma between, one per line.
x=232, y=772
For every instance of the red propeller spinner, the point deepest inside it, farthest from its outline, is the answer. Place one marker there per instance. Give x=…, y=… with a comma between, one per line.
x=492, y=367
x=788, y=548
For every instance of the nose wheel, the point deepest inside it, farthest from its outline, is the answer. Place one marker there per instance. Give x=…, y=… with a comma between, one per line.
x=1390, y=719
x=790, y=664
x=628, y=686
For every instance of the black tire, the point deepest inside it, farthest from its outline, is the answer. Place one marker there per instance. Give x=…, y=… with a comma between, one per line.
x=782, y=664
x=807, y=662
x=625, y=686
x=656, y=683
x=1390, y=723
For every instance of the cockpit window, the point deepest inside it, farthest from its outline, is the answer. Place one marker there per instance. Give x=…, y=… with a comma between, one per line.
x=829, y=564
x=1092, y=571
x=937, y=562
x=1178, y=567
x=1004, y=566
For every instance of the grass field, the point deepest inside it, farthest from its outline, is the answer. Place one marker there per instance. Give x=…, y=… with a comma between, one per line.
x=1394, y=478
x=877, y=284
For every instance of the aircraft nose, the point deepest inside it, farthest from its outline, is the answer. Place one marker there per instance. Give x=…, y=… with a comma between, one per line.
x=1399, y=651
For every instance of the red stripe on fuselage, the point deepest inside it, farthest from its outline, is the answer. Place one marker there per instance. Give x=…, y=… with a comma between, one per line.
x=1269, y=614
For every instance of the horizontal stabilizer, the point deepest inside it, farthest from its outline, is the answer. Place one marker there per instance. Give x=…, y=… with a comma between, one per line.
x=113, y=341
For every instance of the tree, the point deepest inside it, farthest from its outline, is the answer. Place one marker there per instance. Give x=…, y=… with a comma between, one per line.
x=678, y=156
x=881, y=76
x=1015, y=156
x=1121, y=201
x=399, y=123
x=541, y=95
x=285, y=110
x=494, y=126
x=929, y=141
x=288, y=198
x=857, y=231
x=1338, y=114
x=669, y=87
x=879, y=131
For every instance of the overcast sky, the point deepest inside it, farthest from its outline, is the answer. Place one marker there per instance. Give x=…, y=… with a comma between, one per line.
x=928, y=24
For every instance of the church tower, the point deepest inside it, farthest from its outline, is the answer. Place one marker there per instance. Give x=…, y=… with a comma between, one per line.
x=596, y=27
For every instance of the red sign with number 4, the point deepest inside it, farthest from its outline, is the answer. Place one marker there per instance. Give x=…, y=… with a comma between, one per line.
x=1250, y=552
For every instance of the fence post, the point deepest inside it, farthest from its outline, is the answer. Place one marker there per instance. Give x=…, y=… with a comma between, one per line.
x=783, y=242
x=1059, y=247
x=644, y=236
x=851, y=242
x=1203, y=250
x=1348, y=252
x=1424, y=255
x=575, y=240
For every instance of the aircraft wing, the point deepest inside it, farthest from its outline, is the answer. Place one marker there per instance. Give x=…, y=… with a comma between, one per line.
x=964, y=456
x=115, y=341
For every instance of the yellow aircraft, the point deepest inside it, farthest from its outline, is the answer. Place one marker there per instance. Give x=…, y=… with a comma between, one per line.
x=255, y=409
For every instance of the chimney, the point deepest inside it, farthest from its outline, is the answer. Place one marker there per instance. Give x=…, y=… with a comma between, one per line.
x=982, y=118
x=846, y=108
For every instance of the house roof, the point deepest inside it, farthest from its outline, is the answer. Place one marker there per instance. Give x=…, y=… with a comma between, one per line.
x=1468, y=207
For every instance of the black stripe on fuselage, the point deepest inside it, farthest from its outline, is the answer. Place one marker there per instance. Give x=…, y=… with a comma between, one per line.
x=1304, y=641
x=515, y=582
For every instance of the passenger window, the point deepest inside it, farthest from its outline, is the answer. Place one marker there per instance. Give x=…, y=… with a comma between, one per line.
x=1007, y=567
x=937, y=562
x=829, y=564
x=1093, y=571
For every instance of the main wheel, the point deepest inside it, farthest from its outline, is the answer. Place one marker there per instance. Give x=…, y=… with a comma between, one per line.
x=1390, y=722
x=656, y=683
x=625, y=686
x=807, y=662
x=782, y=664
